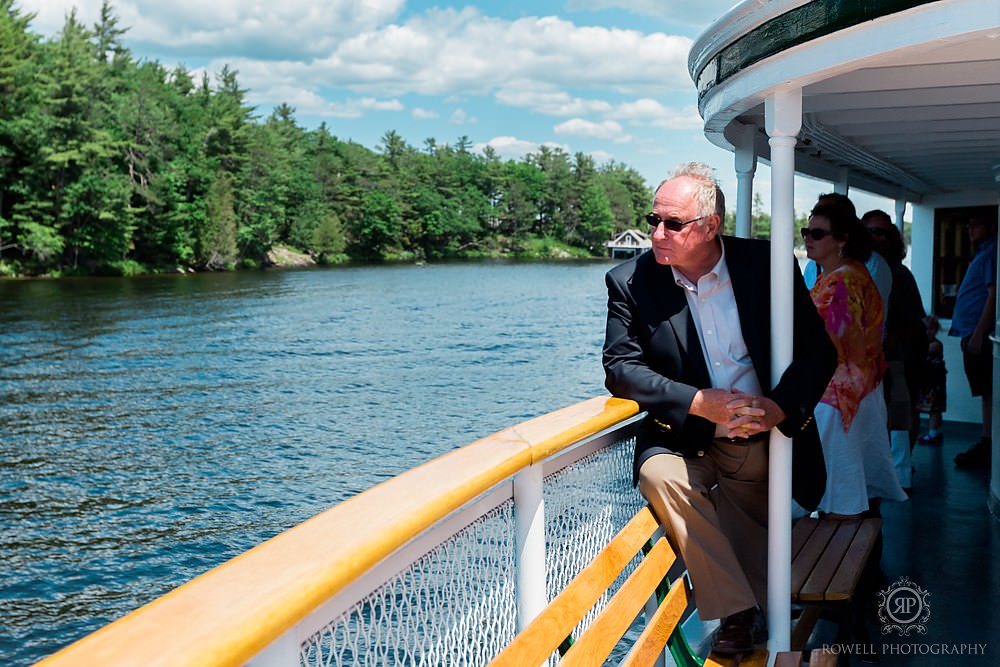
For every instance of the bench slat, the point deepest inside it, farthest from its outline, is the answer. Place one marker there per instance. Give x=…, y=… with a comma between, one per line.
x=610, y=625
x=803, y=528
x=822, y=573
x=658, y=629
x=804, y=626
x=822, y=657
x=544, y=634
x=788, y=659
x=810, y=553
x=846, y=579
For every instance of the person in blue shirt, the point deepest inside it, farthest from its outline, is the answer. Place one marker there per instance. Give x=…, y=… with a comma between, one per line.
x=973, y=320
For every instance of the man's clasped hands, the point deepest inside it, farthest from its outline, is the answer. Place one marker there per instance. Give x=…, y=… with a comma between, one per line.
x=744, y=415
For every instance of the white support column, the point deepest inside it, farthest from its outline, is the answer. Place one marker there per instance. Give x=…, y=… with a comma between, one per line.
x=995, y=433
x=529, y=529
x=842, y=185
x=746, y=165
x=899, y=440
x=783, y=119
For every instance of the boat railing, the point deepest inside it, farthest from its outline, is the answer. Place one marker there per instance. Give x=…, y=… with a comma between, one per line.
x=440, y=565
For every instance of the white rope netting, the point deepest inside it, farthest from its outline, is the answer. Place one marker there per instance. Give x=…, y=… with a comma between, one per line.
x=455, y=606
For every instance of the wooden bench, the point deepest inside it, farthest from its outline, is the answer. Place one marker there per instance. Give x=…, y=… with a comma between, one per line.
x=555, y=625
x=828, y=558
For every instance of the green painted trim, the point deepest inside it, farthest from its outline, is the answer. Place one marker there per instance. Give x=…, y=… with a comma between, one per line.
x=681, y=651
x=797, y=26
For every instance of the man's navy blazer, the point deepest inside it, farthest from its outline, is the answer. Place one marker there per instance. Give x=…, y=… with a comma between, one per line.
x=653, y=356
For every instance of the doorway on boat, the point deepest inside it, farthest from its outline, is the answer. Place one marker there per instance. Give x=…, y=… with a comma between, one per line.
x=953, y=251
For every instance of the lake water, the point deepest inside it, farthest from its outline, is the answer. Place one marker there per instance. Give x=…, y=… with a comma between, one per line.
x=152, y=428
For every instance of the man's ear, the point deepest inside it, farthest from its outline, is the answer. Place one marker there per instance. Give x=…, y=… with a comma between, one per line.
x=712, y=226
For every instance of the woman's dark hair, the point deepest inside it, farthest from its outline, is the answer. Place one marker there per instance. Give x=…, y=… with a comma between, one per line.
x=837, y=199
x=857, y=242
x=894, y=247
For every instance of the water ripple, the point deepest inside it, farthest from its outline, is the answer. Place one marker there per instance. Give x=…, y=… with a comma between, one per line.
x=155, y=427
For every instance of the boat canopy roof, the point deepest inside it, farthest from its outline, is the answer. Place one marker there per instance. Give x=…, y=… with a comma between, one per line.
x=899, y=98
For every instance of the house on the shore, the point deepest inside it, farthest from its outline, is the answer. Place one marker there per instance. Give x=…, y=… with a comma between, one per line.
x=628, y=244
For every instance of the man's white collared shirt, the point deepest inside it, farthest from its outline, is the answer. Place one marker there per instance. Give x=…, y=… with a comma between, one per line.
x=713, y=308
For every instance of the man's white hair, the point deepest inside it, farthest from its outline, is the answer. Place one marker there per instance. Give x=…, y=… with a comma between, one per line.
x=708, y=196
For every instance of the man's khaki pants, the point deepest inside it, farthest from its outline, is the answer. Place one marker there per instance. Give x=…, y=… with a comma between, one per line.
x=714, y=510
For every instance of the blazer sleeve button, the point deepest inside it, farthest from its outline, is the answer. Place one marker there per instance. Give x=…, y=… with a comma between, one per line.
x=665, y=426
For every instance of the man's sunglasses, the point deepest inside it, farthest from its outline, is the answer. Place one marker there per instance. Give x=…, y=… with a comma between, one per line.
x=671, y=224
x=878, y=231
x=817, y=234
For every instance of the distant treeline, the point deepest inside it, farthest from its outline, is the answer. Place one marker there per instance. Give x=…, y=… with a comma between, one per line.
x=110, y=164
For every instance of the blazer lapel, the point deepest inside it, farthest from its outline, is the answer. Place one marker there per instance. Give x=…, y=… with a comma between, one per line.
x=673, y=301
x=752, y=291
x=681, y=320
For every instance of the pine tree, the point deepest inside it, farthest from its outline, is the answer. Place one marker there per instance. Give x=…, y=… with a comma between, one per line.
x=218, y=235
x=20, y=135
x=90, y=200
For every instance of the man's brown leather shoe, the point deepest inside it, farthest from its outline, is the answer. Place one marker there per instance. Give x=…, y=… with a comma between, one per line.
x=740, y=632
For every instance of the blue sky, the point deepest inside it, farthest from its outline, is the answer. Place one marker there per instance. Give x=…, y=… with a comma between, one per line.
x=605, y=77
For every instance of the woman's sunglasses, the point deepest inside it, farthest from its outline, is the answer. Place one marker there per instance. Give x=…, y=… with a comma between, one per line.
x=816, y=233
x=671, y=224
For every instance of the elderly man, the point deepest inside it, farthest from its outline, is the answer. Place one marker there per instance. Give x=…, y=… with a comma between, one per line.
x=688, y=338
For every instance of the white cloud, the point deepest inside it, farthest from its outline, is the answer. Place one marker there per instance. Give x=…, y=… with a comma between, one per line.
x=608, y=129
x=512, y=148
x=347, y=59
x=601, y=157
x=642, y=109
x=689, y=13
x=309, y=103
x=424, y=114
x=287, y=28
x=650, y=112
x=548, y=100
x=354, y=108
x=468, y=53
x=647, y=112
x=460, y=117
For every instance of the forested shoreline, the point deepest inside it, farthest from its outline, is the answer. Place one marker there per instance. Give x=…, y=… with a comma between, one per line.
x=119, y=166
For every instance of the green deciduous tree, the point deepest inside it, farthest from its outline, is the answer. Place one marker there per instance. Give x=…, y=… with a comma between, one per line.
x=378, y=224
x=596, y=219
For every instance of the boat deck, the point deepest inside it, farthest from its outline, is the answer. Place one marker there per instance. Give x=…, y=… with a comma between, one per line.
x=946, y=542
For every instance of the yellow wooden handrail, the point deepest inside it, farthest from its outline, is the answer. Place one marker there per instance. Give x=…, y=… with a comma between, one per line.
x=229, y=614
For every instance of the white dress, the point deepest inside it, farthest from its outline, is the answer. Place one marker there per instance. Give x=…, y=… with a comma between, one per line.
x=858, y=462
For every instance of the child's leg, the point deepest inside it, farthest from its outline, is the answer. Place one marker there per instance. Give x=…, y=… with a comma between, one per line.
x=933, y=435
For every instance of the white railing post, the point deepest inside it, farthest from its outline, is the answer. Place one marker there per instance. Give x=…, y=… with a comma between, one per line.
x=783, y=119
x=282, y=652
x=529, y=529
